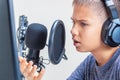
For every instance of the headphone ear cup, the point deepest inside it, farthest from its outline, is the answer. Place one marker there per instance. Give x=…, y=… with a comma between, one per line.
x=107, y=33
x=116, y=34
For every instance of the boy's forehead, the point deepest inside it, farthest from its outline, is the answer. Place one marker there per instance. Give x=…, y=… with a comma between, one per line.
x=82, y=13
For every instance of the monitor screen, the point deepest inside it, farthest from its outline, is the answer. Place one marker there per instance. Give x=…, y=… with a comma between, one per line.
x=9, y=64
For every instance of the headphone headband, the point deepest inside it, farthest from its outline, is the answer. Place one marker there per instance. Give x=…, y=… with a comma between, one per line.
x=111, y=8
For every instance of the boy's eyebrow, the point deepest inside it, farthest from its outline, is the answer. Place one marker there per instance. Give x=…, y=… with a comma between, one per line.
x=82, y=20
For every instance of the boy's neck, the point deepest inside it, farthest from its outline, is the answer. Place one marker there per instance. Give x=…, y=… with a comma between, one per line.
x=103, y=55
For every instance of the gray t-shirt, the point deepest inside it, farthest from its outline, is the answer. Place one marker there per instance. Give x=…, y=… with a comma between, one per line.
x=88, y=69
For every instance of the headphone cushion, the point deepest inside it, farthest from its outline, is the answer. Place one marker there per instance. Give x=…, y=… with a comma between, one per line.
x=116, y=34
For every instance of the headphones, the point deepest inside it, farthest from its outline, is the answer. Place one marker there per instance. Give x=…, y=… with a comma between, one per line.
x=111, y=27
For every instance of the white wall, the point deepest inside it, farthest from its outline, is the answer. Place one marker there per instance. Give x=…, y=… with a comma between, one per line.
x=46, y=12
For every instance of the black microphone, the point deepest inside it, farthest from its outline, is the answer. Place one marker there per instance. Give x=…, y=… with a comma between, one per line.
x=36, y=36
x=35, y=40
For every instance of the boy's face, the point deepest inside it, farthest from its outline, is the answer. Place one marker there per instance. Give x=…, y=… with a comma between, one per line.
x=86, y=30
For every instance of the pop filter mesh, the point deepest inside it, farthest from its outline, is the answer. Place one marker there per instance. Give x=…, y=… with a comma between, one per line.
x=56, y=42
x=59, y=42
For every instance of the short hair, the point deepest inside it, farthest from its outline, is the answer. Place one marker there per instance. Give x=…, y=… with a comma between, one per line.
x=97, y=4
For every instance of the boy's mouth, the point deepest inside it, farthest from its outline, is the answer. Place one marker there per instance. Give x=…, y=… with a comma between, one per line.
x=76, y=42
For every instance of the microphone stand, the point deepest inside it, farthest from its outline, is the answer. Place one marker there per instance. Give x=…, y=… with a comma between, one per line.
x=64, y=55
x=33, y=55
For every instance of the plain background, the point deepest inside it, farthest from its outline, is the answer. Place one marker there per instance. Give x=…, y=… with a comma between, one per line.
x=46, y=12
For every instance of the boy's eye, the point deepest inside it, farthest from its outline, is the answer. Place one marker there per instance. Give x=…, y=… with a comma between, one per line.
x=83, y=24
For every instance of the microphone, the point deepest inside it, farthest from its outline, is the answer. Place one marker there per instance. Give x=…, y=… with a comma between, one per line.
x=35, y=40
x=36, y=36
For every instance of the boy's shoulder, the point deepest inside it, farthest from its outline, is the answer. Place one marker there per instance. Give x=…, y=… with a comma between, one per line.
x=117, y=61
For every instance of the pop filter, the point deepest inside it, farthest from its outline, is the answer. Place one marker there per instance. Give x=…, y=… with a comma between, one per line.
x=56, y=45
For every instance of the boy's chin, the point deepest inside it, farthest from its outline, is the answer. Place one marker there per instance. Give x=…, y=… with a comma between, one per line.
x=80, y=50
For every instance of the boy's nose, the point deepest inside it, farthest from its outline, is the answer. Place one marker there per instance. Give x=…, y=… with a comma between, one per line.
x=74, y=31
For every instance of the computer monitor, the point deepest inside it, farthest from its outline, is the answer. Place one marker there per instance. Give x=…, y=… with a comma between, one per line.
x=9, y=64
